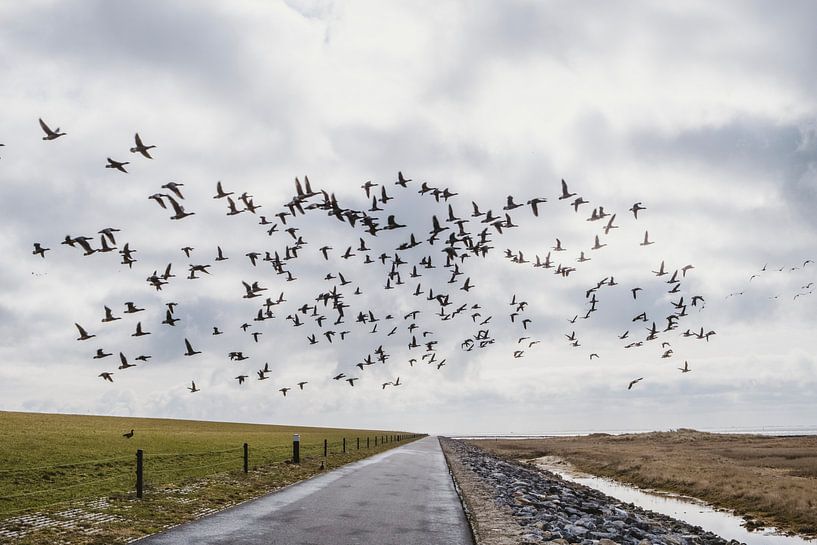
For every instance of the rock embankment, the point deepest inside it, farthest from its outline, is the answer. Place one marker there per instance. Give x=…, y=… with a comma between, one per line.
x=548, y=509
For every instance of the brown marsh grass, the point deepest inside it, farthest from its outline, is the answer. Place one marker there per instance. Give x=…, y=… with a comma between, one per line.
x=768, y=480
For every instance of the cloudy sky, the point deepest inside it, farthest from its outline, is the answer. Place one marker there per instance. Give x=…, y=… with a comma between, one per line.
x=704, y=113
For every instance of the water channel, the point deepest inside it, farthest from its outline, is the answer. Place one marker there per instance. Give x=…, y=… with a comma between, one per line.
x=690, y=510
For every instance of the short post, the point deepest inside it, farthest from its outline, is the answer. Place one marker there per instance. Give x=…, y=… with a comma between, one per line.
x=296, y=448
x=358, y=443
x=246, y=458
x=375, y=440
x=325, y=450
x=139, y=473
x=344, y=445
x=367, y=441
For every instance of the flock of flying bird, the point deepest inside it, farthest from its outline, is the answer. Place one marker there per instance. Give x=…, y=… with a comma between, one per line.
x=801, y=291
x=333, y=315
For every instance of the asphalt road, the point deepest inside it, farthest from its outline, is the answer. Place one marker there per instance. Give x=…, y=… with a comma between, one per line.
x=403, y=496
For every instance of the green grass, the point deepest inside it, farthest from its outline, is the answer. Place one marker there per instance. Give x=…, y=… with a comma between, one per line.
x=93, y=460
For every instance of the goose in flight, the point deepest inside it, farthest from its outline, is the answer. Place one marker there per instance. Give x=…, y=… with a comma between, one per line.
x=192, y=387
x=635, y=208
x=284, y=390
x=565, y=194
x=131, y=308
x=685, y=368
x=534, y=205
x=169, y=319
x=109, y=317
x=124, y=362
x=610, y=225
x=139, y=332
x=220, y=193
x=634, y=382
x=106, y=376
x=190, y=351
x=241, y=378
x=351, y=381
x=301, y=384
x=178, y=209
x=39, y=250
x=174, y=187
x=578, y=202
x=83, y=335
x=140, y=147
x=646, y=241
x=118, y=165
x=49, y=134
x=158, y=198
x=660, y=271
x=101, y=354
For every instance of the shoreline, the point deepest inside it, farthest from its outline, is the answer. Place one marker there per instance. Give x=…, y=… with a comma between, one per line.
x=510, y=502
x=769, y=481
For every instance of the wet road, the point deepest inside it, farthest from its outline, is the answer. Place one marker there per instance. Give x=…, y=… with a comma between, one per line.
x=403, y=496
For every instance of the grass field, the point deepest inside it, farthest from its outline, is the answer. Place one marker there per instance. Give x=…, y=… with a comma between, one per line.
x=48, y=461
x=772, y=480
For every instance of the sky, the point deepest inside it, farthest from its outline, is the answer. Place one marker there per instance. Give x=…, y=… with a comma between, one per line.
x=704, y=113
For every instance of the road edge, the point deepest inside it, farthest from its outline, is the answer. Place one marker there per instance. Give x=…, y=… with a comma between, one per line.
x=490, y=525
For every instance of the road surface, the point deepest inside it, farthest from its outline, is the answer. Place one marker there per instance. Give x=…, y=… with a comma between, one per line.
x=402, y=496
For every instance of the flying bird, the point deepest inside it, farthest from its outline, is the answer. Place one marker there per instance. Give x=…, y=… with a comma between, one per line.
x=140, y=147
x=635, y=208
x=190, y=351
x=565, y=194
x=49, y=134
x=118, y=165
x=83, y=335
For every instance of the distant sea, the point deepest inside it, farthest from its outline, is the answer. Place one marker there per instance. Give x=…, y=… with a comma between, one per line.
x=765, y=430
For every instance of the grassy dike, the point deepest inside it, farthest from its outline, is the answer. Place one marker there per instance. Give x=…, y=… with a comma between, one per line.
x=70, y=478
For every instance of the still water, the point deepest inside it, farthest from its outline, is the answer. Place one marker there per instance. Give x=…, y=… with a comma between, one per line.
x=724, y=524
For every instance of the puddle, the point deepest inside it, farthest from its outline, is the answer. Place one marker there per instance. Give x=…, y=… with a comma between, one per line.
x=690, y=510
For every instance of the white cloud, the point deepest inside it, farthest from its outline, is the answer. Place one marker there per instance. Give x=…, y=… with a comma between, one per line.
x=704, y=113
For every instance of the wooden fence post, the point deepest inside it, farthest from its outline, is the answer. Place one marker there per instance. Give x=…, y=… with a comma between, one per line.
x=358, y=443
x=296, y=449
x=325, y=450
x=367, y=441
x=139, y=473
x=246, y=458
x=344, y=445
